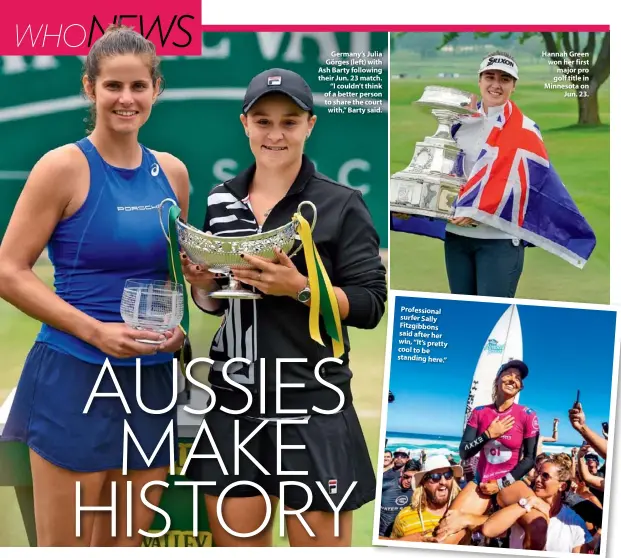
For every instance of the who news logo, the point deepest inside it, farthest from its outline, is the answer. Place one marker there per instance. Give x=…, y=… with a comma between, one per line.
x=70, y=28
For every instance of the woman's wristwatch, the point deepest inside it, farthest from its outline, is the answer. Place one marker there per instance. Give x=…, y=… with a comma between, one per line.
x=305, y=294
x=523, y=503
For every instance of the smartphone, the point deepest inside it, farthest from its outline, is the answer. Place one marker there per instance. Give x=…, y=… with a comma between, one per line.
x=577, y=399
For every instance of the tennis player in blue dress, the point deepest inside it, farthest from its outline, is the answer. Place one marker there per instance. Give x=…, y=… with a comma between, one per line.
x=95, y=205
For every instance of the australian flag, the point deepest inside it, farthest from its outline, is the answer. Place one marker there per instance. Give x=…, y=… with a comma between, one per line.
x=513, y=187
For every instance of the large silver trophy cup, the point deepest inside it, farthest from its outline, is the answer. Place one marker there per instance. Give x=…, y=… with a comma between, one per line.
x=429, y=185
x=222, y=254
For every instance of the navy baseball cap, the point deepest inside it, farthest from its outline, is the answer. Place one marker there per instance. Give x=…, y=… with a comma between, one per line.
x=278, y=80
x=517, y=364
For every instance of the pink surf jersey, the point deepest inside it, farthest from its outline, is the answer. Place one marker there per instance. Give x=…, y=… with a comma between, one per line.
x=498, y=457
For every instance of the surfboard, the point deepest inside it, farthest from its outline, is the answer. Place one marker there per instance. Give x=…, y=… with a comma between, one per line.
x=503, y=344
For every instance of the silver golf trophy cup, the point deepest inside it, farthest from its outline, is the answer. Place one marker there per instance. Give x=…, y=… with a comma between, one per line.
x=429, y=185
x=221, y=254
x=150, y=305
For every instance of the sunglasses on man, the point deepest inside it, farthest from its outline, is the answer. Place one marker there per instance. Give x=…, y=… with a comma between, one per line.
x=435, y=477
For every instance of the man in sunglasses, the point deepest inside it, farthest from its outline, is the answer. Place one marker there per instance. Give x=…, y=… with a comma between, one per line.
x=435, y=490
x=396, y=496
x=400, y=457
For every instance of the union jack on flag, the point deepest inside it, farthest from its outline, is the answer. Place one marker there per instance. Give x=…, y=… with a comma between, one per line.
x=514, y=187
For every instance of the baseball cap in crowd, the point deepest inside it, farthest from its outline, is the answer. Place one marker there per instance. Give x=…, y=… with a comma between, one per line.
x=278, y=80
x=499, y=62
x=517, y=364
x=405, y=451
x=591, y=457
x=436, y=462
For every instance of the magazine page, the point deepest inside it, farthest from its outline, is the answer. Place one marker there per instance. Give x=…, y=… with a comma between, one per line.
x=278, y=280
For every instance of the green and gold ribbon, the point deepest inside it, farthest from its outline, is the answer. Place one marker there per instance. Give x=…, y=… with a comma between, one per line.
x=323, y=298
x=174, y=266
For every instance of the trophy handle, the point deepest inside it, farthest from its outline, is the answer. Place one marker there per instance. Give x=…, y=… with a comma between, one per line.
x=159, y=210
x=312, y=224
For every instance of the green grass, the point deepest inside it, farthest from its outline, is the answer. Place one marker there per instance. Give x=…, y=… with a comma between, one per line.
x=17, y=333
x=580, y=155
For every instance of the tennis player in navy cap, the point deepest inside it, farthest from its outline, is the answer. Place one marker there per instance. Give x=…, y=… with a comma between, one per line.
x=278, y=116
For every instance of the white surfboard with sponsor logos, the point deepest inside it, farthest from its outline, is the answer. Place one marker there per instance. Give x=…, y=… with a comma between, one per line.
x=503, y=344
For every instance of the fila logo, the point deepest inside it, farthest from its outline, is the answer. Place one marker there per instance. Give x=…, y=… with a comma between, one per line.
x=155, y=169
x=332, y=486
x=274, y=80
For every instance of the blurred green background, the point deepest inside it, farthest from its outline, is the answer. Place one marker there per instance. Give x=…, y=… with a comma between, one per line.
x=581, y=155
x=197, y=116
x=197, y=119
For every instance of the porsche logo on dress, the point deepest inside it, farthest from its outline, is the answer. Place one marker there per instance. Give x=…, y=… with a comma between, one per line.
x=137, y=207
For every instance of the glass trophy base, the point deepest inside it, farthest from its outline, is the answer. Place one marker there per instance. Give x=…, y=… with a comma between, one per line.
x=149, y=341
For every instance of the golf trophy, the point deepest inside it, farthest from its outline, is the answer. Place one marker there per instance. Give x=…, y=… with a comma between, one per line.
x=431, y=182
x=221, y=254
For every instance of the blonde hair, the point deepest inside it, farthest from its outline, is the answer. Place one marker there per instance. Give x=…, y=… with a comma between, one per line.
x=419, y=497
x=563, y=464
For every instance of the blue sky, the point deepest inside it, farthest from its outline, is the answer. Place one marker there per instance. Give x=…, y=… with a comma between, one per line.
x=565, y=350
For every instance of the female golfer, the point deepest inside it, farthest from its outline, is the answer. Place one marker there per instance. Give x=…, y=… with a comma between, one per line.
x=327, y=453
x=480, y=259
x=94, y=203
x=504, y=437
x=566, y=531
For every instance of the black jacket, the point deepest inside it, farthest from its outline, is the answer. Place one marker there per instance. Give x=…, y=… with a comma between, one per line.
x=276, y=327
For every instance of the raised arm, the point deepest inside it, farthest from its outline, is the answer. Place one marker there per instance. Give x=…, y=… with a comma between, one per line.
x=554, y=437
x=592, y=480
x=577, y=419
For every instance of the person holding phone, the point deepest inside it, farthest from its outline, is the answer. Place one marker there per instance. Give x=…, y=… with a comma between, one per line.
x=577, y=418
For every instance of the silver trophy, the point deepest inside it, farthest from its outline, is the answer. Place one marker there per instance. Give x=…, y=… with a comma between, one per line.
x=429, y=185
x=221, y=254
x=151, y=305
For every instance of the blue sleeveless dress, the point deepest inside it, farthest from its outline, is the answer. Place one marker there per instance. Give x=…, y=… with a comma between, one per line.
x=115, y=236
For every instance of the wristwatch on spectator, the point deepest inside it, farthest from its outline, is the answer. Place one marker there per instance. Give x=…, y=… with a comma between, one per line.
x=523, y=503
x=505, y=481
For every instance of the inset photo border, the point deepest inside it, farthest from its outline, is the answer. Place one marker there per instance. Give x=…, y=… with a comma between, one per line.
x=487, y=406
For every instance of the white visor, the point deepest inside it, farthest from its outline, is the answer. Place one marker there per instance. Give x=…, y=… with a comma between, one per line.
x=499, y=62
